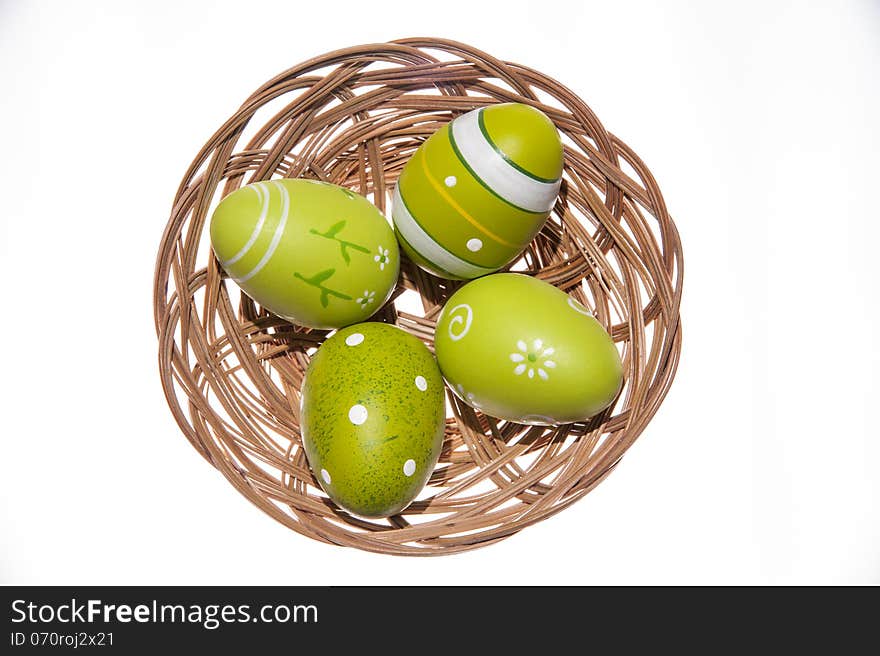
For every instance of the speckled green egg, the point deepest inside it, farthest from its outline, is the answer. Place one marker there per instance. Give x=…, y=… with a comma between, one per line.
x=314, y=253
x=373, y=413
x=520, y=349
x=478, y=190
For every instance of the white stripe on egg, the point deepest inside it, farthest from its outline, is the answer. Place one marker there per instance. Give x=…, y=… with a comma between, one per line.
x=512, y=185
x=263, y=196
x=276, y=238
x=426, y=246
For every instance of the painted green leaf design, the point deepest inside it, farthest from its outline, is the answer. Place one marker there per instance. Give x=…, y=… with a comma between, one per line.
x=344, y=245
x=334, y=230
x=357, y=247
x=316, y=280
x=321, y=276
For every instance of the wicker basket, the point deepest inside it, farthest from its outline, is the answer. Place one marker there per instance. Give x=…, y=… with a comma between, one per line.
x=231, y=371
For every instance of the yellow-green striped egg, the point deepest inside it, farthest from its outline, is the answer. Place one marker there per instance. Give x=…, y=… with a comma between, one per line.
x=476, y=193
x=313, y=253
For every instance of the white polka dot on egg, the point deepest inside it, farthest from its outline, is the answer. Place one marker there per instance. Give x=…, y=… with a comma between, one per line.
x=421, y=383
x=409, y=467
x=326, y=476
x=474, y=245
x=450, y=181
x=357, y=414
x=354, y=339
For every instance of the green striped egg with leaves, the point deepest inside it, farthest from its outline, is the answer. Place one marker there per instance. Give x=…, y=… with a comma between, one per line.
x=314, y=253
x=476, y=193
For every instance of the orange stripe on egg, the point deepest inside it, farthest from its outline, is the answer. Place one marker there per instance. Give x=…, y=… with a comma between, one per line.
x=458, y=208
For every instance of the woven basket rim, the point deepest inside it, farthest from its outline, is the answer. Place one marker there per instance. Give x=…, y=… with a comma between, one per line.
x=231, y=371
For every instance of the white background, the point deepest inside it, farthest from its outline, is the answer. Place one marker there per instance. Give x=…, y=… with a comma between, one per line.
x=759, y=121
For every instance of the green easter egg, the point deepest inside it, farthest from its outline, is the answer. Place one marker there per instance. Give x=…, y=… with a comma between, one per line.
x=476, y=193
x=313, y=253
x=373, y=414
x=520, y=349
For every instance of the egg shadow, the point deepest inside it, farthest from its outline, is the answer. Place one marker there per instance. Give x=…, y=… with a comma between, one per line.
x=433, y=290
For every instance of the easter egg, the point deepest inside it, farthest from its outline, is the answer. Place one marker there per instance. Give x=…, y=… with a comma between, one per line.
x=373, y=414
x=478, y=190
x=313, y=253
x=520, y=349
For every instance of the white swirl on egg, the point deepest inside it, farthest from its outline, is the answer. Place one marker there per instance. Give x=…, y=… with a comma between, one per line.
x=462, y=320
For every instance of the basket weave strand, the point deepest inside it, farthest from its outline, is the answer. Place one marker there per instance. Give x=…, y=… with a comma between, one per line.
x=231, y=371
